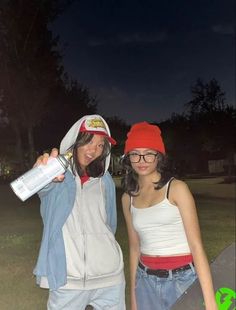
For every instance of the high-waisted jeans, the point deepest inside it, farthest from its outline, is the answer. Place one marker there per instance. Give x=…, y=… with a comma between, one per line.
x=155, y=293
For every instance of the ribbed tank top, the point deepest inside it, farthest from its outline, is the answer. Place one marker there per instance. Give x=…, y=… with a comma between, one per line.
x=160, y=228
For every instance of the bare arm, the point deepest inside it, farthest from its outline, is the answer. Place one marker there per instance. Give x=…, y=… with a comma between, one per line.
x=181, y=196
x=134, y=250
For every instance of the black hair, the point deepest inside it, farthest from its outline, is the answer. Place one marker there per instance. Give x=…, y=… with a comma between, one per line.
x=97, y=167
x=129, y=181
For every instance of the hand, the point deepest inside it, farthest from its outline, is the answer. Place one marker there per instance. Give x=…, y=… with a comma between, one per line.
x=43, y=159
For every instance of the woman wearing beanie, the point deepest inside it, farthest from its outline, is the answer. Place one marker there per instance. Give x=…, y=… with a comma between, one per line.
x=166, y=251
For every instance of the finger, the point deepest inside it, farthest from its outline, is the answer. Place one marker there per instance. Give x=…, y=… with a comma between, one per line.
x=59, y=178
x=54, y=152
x=45, y=157
x=42, y=159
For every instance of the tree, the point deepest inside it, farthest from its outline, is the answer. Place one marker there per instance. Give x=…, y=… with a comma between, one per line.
x=207, y=97
x=212, y=120
x=65, y=106
x=181, y=145
x=119, y=130
x=206, y=130
x=30, y=65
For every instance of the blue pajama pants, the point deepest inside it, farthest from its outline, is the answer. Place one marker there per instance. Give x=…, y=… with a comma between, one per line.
x=112, y=298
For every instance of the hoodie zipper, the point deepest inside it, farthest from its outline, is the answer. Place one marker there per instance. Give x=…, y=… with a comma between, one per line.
x=84, y=236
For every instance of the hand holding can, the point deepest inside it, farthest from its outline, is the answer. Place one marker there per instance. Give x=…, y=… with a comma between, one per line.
x=46, y=169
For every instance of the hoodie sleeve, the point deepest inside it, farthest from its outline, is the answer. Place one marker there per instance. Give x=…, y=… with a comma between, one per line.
x=110, y=198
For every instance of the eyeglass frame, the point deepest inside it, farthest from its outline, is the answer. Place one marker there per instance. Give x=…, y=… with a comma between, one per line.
x=143, y=156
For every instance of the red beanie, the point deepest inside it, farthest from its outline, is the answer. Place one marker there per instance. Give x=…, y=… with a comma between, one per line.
x=144, y=135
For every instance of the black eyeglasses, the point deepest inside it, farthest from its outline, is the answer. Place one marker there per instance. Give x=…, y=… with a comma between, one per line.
x=148, y=158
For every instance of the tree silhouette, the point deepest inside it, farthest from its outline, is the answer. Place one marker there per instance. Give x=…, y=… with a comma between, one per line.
x=206, y=130
x=66, y=104
x=33, y=85
x=207, y=98
x=212, y=121
x=30, y=64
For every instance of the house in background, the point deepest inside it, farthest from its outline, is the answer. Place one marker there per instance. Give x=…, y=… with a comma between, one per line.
x=222, y=166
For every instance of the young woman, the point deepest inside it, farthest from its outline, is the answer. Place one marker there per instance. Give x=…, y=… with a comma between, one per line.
x=162, y=223
x=80, y=261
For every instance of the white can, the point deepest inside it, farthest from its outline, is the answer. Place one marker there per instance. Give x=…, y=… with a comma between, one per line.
x=38, y=177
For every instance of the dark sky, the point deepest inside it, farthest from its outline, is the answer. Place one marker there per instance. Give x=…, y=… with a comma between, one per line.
x=141, y=57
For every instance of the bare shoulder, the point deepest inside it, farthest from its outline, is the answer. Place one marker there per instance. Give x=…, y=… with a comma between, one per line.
x=179, y=190
x=179, y=185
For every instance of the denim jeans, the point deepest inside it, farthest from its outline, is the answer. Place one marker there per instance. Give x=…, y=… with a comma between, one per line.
x=154, y=293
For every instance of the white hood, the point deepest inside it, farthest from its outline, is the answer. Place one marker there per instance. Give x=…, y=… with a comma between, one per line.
x=70, y=137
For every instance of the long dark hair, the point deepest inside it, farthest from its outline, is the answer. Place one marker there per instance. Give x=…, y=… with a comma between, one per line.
x=129, y=181
x=97, y=167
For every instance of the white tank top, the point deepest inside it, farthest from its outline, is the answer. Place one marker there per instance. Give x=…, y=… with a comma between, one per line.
x=160, y=228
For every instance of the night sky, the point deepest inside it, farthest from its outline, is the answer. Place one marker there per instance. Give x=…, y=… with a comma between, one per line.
x=140, y=58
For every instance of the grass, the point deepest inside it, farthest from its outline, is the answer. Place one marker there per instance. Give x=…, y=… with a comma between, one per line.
x=207, y=187
x=20, y=235
x=17, y=287
x=212, y=188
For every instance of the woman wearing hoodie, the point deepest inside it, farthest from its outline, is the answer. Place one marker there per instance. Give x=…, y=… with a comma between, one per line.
x=80, y=262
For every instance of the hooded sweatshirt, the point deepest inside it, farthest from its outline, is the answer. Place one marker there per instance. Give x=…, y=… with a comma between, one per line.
x=78, y=249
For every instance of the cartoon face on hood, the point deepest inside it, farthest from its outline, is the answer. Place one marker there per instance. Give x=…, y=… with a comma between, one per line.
x=94, y=124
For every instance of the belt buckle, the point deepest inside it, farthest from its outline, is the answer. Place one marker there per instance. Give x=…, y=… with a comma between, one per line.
x=162, y=273
x=158, y=273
